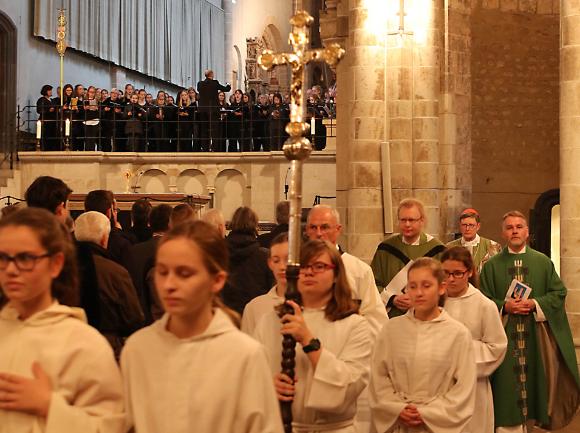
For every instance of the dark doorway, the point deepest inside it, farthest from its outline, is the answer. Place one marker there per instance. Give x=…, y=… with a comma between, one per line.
x=541, y=221
x=8, y=48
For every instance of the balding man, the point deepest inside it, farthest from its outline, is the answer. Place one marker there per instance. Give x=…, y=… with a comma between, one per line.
x=324, y=223
x=207, y=110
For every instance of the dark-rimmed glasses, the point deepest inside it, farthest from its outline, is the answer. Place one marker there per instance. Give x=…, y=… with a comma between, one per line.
x=316, y=267
x=23, y=261
x=456, y=274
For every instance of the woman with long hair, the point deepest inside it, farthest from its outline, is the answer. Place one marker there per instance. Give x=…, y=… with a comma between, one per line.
x=278, y=118
x=56, y=372
x=423, y=370
x=194, y=369
x=46, y=110
x=185, y=118
x=479, y=314
x=332, y=364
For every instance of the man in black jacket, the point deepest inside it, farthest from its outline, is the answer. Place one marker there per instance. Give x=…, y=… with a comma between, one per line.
x=208, y=108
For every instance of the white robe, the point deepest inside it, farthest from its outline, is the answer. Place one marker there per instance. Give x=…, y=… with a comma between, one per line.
x=362, y=282
x=218, y=381
x=479, y=314
x=258, y=307
x=87, y=389
x=325, y=398
x=426, y=363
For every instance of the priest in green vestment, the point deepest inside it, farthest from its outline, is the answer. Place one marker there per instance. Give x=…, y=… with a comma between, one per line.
x=538, y=382
x=481, y=249
x=399, y=249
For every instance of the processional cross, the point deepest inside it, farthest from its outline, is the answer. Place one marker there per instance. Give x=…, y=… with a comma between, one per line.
x=297, y=148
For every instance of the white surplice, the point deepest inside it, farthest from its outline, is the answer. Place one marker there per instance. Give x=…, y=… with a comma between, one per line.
x=429, y=364
x=87, y=391
x=479, y=314
x=217, y=382
x=258, y=307
x=325, y=398
x=362, y=281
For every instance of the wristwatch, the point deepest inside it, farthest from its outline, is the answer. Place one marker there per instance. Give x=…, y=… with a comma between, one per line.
x=312, y=346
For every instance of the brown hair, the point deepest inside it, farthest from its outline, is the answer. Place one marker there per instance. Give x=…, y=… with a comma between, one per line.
x=462, y=254
x=514, y=213
x=214, y=251
x=341, y=304
x=245, y=221
x=180, y=214
x=436, y=271
x=55, y=238
x=281, y=238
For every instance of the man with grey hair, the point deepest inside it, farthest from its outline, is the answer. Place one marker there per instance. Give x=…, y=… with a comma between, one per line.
x=107, y=292
x=324, y=223
x=216, y=218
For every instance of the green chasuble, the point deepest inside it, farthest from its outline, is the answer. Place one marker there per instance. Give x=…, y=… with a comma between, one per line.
x=386, y=265
x=549, y=292
x=485, y=250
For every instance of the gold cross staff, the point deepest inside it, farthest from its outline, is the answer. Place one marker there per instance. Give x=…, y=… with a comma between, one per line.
x=297, y=148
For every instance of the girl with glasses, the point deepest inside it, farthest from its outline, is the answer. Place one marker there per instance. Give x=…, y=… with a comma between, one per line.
x=56, y=372
x=332, y=363
x=479, y=314
x=423, y=370
x=193, y=370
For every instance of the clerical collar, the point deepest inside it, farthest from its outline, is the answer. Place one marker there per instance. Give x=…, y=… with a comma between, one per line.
x=471, y=243
x=340, y=250
x=428, y=237
x=518, y=252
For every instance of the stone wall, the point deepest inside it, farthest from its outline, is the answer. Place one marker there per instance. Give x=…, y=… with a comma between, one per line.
x=514, y=65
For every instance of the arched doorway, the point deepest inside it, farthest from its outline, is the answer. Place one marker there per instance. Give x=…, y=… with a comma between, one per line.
x=542, y=221
x=8, y=48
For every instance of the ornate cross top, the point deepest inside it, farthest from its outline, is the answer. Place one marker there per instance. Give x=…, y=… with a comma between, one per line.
x=297, y=147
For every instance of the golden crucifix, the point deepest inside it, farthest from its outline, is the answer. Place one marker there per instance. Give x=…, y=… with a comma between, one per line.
x=297, y=148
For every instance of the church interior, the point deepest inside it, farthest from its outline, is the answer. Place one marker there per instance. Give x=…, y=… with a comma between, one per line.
x=458, y=103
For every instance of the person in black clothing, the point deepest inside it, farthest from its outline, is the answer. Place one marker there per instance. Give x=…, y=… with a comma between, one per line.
x=92, y=128
x=64, y=109
x=112, y=124
x=78, y=112
x=236, y=123
x=282, y=219
x=133, y=115
x=247, y=123
x=171, y=123
x=140, y=230
x=119, y=243
x=315, y=109
x=219, y=144
x=208, y=108
x=279, y=115
x=47, y=114
x=261, y=130
x=249, y=273
x=185, y=118
x=157, y=113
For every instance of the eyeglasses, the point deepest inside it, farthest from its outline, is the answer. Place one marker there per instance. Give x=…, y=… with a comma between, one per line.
x=324, y=228
x=23, y=261
x=317, y=267
x=456, y=274
x=469, y=226
x=409, y=220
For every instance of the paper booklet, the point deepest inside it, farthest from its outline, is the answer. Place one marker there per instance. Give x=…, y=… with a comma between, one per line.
x=397, y=284
x=518, y=290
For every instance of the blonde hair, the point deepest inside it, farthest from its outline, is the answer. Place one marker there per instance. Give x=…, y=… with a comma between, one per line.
x=410, y=202
x=436, y=271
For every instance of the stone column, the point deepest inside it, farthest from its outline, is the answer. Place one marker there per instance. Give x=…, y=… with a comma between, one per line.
x=570, y=160
x=360, y=111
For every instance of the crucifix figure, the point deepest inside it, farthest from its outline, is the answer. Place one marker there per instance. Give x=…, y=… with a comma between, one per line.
x=297, y=148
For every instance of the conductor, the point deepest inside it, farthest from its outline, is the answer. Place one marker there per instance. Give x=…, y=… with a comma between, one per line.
x=208, y=110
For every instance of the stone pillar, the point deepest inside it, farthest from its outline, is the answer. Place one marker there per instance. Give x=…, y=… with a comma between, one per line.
x=360, y=111
x=570, y=160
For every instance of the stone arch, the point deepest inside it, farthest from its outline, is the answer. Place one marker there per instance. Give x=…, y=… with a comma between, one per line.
x=230, y=188
x=192, y=181
x=278, y=78
x=240, y=69
x=154, y=181
x=8, y=66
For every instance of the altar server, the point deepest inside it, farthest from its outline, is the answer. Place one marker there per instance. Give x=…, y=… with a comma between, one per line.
x=479, y=314
x=193, y=370
x=423, y=370
x=57, y=374
x=332, y=361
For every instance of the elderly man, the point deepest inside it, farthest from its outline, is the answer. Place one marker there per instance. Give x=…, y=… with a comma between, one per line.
x=481, y=249
x=395, y=252
x=538, y=379
x=324, y=223
x=107, y=295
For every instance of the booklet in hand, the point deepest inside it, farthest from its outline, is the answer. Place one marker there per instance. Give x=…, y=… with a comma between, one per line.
x=518, y=290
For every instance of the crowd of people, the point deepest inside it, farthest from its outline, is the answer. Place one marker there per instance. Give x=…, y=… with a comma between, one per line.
x=132, y=120
x=419, y=341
